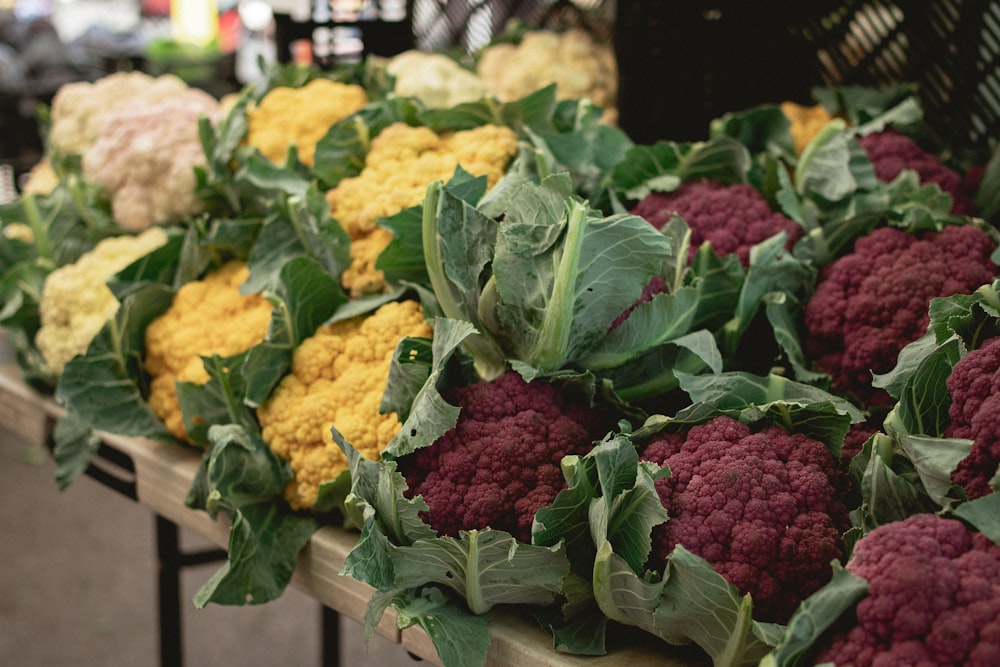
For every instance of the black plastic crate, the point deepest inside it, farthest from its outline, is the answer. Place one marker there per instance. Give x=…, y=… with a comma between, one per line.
x=949, y=48
x=684, y=63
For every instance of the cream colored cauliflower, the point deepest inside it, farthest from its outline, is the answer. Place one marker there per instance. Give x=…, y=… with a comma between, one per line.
x=207, y=316
x=337, y=379
x=76, y=300
x=80, y=109
x=145, y=156
x=402, y=161
x=301, y=117
x=578, y=65
x=435, y=79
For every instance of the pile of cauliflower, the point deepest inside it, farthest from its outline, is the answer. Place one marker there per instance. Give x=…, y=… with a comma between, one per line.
x=578, y=65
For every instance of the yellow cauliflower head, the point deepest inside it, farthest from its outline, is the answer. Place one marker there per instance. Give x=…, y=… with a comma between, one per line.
x=76, y=300
x=300, y=116
x=207, y=316
x=401, y=163
x=337, y=379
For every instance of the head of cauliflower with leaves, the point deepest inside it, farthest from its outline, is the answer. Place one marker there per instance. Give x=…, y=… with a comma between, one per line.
x=76, y=300
x=402, y=162
x=337, y=379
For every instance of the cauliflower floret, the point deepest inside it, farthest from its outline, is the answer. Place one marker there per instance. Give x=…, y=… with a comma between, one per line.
x=300, y=116
x=76, y=300
x=402, y=161
x=891, y=152
x=337, y=379
x=732, y=217
x=80, y=109
x=208, y=316
x=144, y=158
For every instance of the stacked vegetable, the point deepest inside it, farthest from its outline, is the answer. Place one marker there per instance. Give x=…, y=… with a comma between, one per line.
x=689, y=388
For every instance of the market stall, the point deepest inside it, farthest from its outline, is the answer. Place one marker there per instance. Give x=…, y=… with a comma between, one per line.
x=513, y=356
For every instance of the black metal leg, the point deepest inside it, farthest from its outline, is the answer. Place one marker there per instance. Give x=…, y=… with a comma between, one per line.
x=331, y=638
x=168, y=555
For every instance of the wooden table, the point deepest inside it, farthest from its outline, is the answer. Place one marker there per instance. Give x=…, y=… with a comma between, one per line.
x=158, y=475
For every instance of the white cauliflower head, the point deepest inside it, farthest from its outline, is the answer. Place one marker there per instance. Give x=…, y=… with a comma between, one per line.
x=144, y=158
x=80, y=109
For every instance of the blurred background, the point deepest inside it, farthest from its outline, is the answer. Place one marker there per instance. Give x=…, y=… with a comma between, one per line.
x=679, y=65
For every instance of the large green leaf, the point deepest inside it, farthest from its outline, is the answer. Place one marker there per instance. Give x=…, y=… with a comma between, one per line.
x=984, y=514
x=341, y=152
x=797, y=406
x=242, y=477
x=484, y=567
x=918, y=383
x=425, y=414
x=447, y=260
x=665, y=318
x=557, y=301
x=217, y=401
x=663, y=166
x=691, y=602
x=305, y=296
x=935, y=459
x=814, y=616
x=297, y=226
x=106, y=387
x=889, y=492
x=461, y=638
x=75, y=445
x=589, y=150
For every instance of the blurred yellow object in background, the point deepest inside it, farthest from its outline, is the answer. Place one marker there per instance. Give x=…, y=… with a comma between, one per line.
x=194, y=21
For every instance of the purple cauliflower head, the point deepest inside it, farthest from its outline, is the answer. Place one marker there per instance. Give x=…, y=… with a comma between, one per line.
x=872, y=302
x=974, y=387
x=933, y=598
x=733, y=218
x=764, y=508
x=891, y=152
x=501, y=462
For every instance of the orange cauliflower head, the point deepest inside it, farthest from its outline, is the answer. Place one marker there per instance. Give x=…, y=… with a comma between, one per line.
x=300, y=116
x=208, y=316
x=337, y=379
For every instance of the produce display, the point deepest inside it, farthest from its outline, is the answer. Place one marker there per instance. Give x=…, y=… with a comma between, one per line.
x=739, y=393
